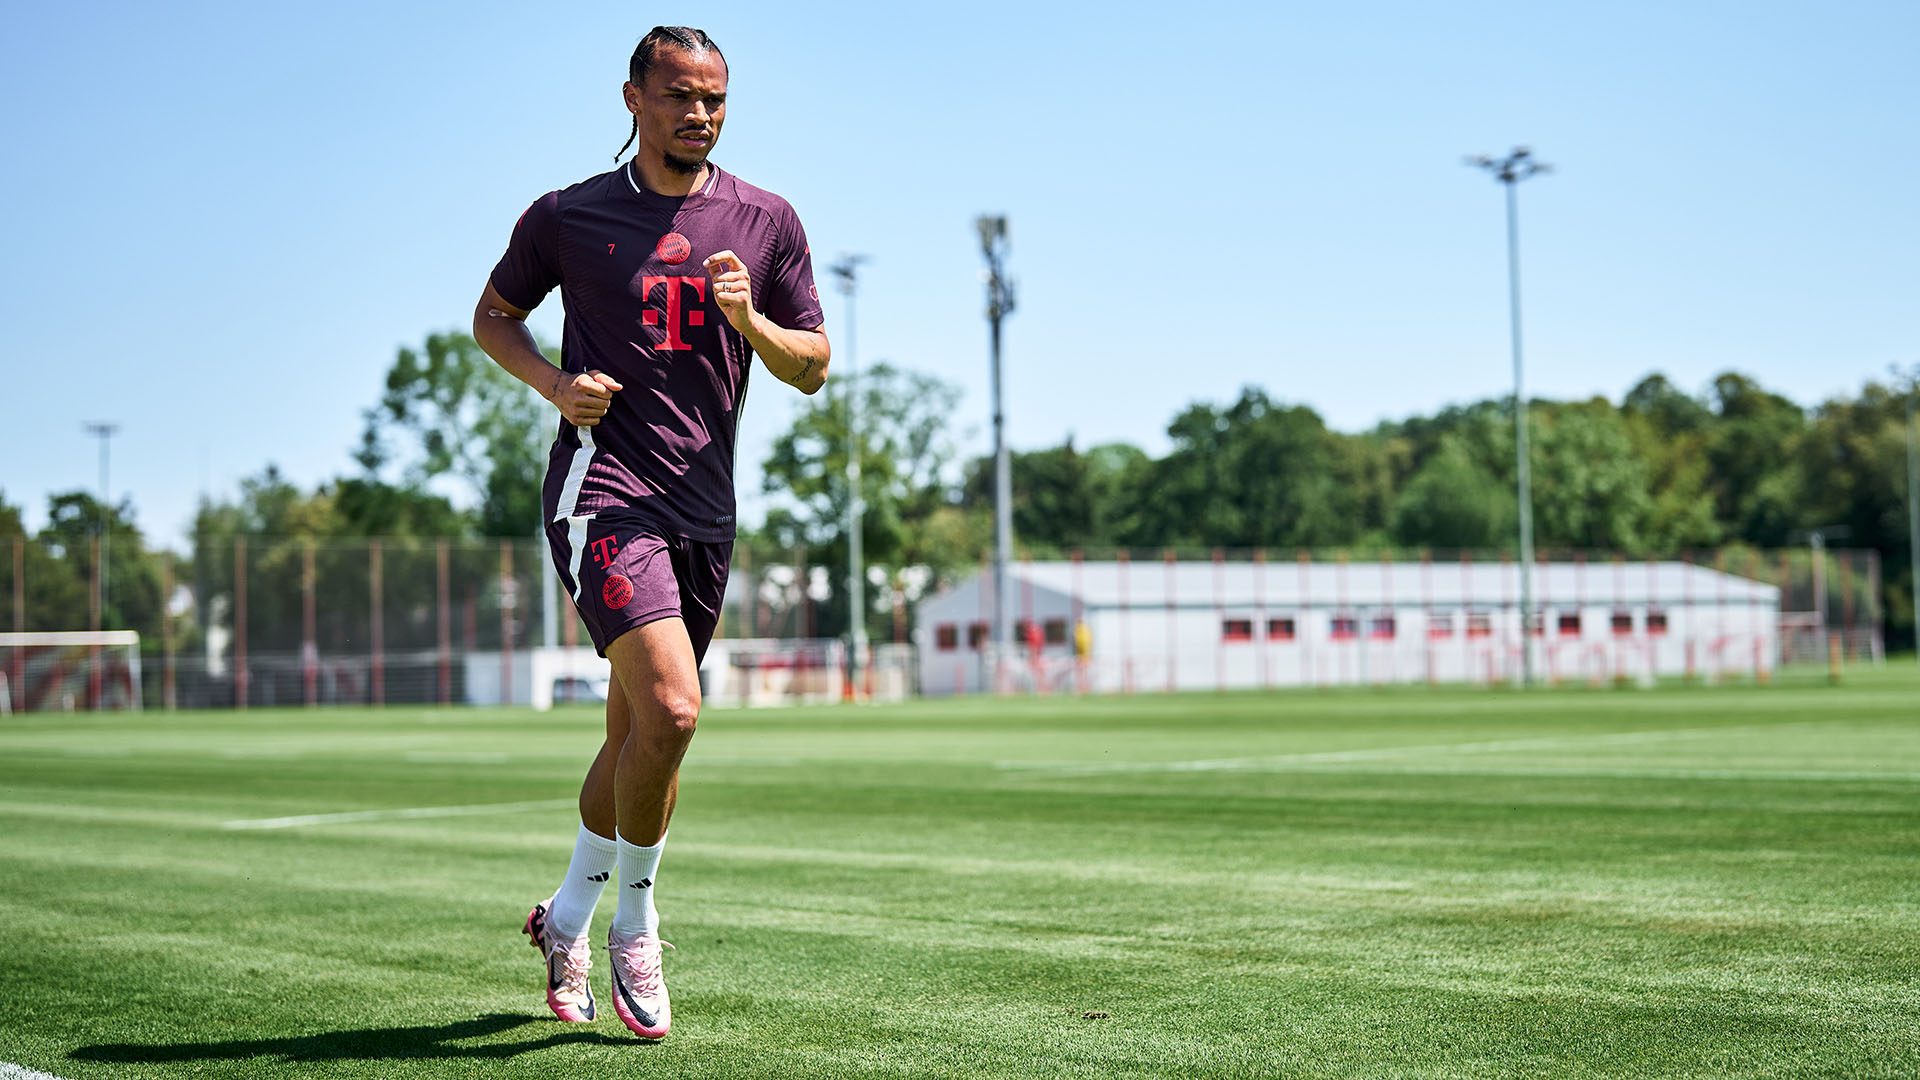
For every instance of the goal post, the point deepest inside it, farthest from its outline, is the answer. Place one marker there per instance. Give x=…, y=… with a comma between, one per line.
x=65, y=670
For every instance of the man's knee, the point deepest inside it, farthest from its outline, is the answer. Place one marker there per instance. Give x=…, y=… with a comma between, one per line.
x=680, y=708
x=666, y=717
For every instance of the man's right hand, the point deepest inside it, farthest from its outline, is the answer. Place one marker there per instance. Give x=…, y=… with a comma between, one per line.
x=583, y=399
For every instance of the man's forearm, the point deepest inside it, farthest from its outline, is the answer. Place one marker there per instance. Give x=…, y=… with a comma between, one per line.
x=511, y=345
x=795, y=357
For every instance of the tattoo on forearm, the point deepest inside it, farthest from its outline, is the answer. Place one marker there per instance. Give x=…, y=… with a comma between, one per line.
x=806, y=369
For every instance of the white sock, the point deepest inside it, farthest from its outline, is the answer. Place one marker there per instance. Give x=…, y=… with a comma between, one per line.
x=638, y=868
x=572, y=906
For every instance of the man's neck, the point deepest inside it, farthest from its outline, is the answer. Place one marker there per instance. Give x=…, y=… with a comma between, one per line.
x=660, y=180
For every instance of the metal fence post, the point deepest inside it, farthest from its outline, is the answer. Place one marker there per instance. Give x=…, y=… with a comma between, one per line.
x=240, y=622
x=376, y=626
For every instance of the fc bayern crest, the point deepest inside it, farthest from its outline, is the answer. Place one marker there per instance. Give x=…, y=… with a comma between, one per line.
x=618, y=591
x=673, y=249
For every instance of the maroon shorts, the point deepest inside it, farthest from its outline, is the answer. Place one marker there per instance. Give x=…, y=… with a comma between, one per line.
x=623, y=571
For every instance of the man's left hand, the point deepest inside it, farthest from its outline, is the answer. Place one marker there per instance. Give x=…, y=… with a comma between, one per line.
x=732, y=289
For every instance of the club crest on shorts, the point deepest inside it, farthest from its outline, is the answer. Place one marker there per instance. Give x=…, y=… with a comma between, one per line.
x=673, y=249
x=618, y=591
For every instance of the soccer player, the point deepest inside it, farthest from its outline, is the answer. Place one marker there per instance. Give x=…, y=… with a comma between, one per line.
x=675, y=275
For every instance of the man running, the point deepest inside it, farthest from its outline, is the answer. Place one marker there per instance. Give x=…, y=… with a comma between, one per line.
x=675, y=275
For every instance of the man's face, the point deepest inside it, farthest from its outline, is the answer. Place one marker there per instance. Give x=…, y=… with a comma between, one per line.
x=681, y=107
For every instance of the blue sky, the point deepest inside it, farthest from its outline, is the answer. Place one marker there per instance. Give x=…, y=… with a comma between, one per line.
x=223, y=219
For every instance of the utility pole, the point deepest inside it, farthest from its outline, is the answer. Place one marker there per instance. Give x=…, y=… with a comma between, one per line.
x=104, y=431
x=1510, y=170
x=993, y=245
x=847, y=270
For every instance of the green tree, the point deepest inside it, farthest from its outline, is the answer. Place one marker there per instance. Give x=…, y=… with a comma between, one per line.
x=1252, y=474
x=460, y=415
x=1590, y=489
x=1454, y=501
x=1754, y=456
x=905, y=450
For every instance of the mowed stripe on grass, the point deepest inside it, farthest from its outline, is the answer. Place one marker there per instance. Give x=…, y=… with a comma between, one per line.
x=1675, y=882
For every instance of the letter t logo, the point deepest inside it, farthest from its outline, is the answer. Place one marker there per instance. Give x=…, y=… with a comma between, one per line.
x=695, y=316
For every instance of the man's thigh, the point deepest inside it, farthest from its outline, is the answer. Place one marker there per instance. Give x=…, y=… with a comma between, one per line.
x=654, y=665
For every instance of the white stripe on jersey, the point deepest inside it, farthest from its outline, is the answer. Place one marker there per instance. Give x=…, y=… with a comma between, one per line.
x=576, y=475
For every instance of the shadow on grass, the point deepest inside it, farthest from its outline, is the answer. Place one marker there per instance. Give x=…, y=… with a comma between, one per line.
x=365, y=1044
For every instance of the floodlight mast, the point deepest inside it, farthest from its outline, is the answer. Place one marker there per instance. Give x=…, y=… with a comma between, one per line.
x=1000, y=304
x=847, y=271
x=104, y=430
x=1510, y=170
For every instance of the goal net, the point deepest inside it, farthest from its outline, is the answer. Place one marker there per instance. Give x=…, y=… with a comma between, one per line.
x=69, y=670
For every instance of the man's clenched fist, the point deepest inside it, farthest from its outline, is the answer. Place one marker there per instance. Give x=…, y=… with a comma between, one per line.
x=732, y=289
x=583, y=399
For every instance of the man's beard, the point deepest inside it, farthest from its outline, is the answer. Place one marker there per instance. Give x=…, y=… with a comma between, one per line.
x=684, y=168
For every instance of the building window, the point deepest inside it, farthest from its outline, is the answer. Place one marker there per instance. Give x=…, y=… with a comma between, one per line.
x=946, y=637
x=1345, y=628
x=1569, y=624
x=1382, y=628
x=1440, y=624
x=1280, y=629
x=1622, y=621
x=1236, y=630
x=1479, y=624
x=976, y=635
x=1656, y=622
x=1056, y=631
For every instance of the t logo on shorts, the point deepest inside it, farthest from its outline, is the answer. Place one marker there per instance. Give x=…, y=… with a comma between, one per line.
x=604, y=550
x=617, y=592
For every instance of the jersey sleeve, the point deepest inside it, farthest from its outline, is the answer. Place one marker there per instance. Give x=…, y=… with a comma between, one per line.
x=791, y=300
x=531, y=267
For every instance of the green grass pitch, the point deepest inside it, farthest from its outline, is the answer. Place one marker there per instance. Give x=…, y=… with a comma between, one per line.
x=1399, y=883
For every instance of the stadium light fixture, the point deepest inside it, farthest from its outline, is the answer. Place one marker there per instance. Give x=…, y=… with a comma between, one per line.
x=1510, y=170
x=1000, y=303
x=847, y=271
x=104, y=430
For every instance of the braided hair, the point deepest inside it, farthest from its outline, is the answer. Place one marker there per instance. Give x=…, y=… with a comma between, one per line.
x=685, y=38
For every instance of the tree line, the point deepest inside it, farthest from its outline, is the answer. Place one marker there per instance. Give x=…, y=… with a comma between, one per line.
x=455, y=447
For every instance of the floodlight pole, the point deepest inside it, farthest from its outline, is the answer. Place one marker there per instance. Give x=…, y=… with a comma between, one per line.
x=1000, y=304
x=104, y=431
x=1510, y=170
x=847, y=270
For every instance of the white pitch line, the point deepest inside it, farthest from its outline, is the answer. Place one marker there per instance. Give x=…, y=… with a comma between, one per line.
x=1282, y=761
x=396, y=814
x=10, y=1071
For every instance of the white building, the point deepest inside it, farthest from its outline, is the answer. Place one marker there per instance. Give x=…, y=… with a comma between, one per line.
x=1155, y=625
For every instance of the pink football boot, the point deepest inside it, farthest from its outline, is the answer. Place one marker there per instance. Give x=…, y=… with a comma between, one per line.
x=639, y=990
x=567, y=964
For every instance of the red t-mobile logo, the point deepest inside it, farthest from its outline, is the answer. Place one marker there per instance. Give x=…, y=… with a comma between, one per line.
x=696, y=316
x=605, y=550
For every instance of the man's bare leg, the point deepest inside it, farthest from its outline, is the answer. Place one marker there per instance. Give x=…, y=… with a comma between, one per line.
x=596, y=791
x=655, y=667
x=559, y=926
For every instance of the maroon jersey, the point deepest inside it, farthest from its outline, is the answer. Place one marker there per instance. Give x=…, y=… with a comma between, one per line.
x=640, y=308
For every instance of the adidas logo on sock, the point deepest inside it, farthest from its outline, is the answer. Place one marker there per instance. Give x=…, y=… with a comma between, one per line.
x=601, y=876
x=643, y=883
